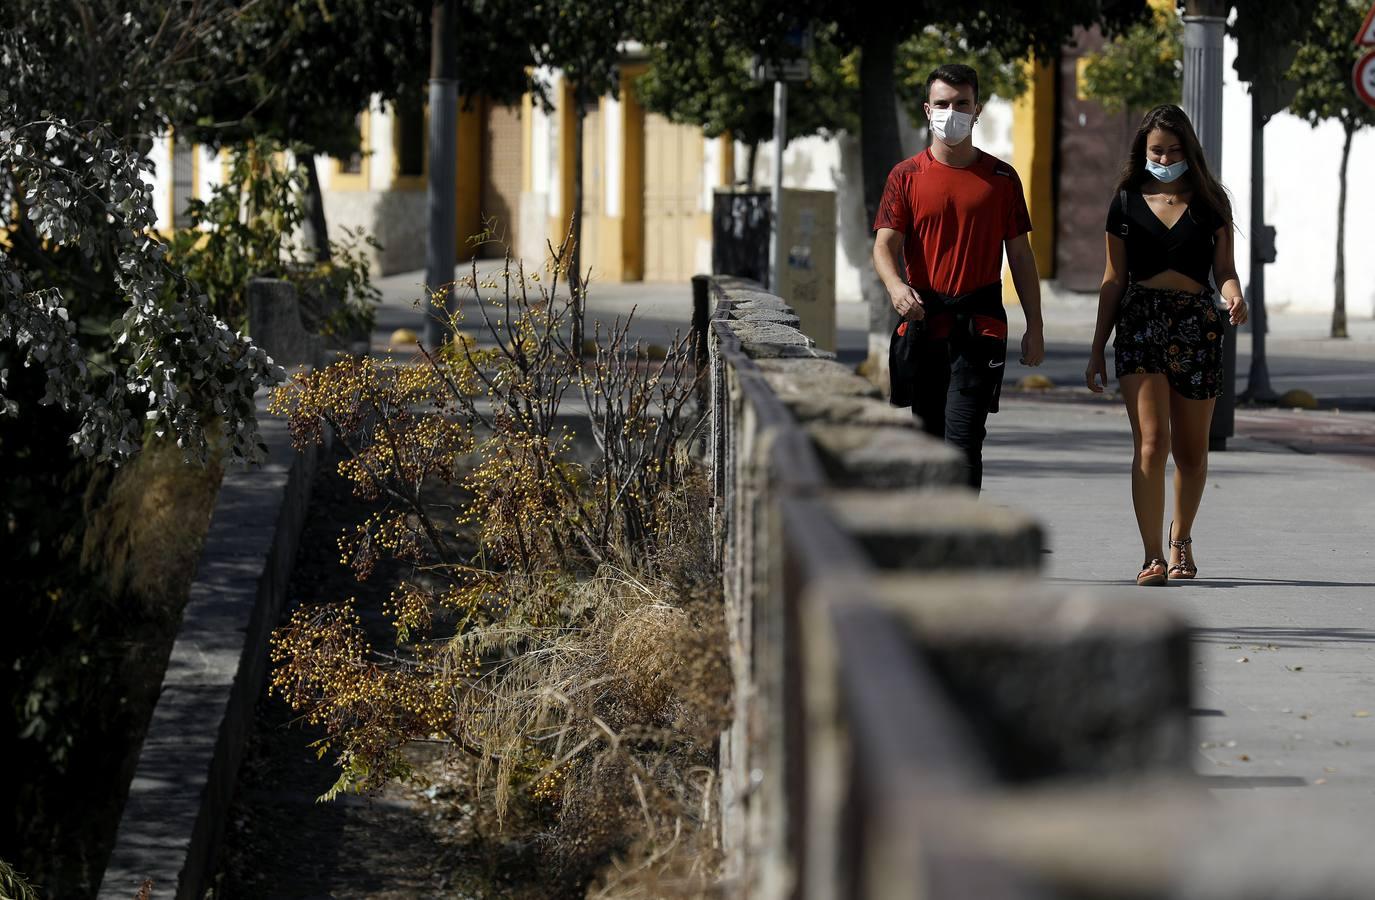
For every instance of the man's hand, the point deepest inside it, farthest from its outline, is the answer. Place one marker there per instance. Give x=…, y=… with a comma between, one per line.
x=1033, y=347
x=906, y=301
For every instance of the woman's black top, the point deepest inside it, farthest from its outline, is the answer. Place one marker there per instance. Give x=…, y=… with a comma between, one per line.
x=1152, y=247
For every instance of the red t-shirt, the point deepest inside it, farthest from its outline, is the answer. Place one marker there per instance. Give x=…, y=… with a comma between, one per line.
x=954, y=220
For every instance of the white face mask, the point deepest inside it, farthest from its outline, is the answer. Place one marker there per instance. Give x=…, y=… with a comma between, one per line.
x=951, y=127
x=1167, y=173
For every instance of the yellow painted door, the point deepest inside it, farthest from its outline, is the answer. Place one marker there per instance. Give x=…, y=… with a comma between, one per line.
x=673, y=176
x=593, y=190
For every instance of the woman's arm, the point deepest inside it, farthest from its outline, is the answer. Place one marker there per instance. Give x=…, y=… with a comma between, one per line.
x=1225, y=275
x=1109, y=296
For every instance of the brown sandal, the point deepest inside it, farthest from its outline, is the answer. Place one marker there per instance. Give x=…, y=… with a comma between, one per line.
x=1149, y=576
x=1185, y=568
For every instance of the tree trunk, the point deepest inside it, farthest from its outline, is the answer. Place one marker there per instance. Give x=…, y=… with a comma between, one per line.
x=1339, y=292
x=575, y=285
x=880, y=148
x=749, y=165
x=317, y=235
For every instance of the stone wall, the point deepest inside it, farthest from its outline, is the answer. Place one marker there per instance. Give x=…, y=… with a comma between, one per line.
x=917, y=714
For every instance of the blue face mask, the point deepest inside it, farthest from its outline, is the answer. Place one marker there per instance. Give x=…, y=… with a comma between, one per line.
x=1167, y=173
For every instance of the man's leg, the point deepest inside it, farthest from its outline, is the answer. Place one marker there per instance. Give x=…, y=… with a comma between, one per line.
x=932, y=387
x=966, y=413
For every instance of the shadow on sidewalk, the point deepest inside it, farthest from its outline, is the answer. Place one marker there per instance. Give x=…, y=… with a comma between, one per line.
x=1283, y=637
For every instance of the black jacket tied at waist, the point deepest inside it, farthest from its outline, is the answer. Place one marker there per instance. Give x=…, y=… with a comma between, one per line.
x=966, y=332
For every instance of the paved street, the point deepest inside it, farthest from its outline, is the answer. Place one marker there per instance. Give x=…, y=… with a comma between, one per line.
x=1283, y=607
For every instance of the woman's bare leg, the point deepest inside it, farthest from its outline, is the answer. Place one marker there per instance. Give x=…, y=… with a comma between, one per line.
x=1148, y=406
x=1190, y=421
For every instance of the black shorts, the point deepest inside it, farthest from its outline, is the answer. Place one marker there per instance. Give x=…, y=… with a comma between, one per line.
x=1177, y=333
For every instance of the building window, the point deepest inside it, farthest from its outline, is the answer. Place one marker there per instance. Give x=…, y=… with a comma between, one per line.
x=351, y=174
x=408, y=126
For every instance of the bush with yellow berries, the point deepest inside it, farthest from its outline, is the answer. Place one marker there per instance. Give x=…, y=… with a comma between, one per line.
x=560, y=625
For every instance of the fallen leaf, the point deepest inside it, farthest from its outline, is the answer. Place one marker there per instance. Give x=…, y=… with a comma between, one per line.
x=1244, y=758
x=1242, y=659
x=1294, y=668
x=1329, y=769
x=1360, y=714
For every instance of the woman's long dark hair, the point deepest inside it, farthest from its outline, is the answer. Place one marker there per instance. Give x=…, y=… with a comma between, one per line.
x=1171, y=118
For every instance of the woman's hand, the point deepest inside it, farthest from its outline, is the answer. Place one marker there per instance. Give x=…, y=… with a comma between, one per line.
x=1236, y=308
x=1096, y=372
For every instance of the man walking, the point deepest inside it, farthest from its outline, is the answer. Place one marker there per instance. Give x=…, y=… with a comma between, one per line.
x=946, y=215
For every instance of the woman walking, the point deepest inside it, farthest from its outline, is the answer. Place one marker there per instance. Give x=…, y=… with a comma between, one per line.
x=1169, y=228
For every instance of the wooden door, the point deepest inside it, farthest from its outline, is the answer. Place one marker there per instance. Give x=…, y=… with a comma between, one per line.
x=672, y=187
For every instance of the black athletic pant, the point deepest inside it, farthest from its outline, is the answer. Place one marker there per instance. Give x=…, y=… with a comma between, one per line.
x=957, y=415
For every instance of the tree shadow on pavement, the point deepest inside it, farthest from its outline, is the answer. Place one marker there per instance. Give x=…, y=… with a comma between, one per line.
x=1283, y=637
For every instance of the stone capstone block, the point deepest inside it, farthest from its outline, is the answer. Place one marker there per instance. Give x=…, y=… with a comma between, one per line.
x=1055, y=682
x=938, y=528
x=775, y=316
x=1163, y=839
x=855, y=411
x=884, y=456
x=814, y=377
x=274, y=323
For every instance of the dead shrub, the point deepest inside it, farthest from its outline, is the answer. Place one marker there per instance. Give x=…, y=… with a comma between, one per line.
x=562, y=626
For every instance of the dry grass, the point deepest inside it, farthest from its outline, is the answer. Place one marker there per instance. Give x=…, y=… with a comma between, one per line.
x=144, y=532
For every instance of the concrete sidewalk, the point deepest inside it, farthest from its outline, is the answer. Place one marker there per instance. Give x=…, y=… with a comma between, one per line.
x=1283, y=610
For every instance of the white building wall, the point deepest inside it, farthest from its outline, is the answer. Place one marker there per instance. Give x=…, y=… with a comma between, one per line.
x=160, y=178
x=1301, y=190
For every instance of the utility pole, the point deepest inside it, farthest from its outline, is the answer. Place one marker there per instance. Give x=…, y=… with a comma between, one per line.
x=1204, y=24
x=780, y=140
x=1258, y=389
x=439, y=251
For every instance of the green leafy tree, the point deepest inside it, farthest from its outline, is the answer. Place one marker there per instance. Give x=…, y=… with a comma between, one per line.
x=307, y=68
x=103, y=346
x=1322, y=71
x=1141, y=67
x=709, y=82
x=1001, y=73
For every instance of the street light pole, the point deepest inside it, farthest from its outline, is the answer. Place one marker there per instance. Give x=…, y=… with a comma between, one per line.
x=439, y=251
x=780, y=133
x=1258, y=389
x=1204, y=23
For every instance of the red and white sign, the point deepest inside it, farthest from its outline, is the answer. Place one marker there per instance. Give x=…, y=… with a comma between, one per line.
x=1366, y=36
x=1363, y=77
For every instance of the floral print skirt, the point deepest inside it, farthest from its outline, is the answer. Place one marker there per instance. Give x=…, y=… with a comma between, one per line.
x=1178, y=333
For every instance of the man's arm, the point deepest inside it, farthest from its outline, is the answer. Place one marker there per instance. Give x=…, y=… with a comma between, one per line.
x=889, y=264
x=1021, y=260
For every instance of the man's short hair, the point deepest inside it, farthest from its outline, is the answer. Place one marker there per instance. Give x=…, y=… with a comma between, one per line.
x=955, y=75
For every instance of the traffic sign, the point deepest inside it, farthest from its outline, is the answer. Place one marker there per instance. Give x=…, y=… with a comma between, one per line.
x=1363, y=77
x=1366, y=36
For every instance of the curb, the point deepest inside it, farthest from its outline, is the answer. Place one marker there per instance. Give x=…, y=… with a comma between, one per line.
x=173, y=819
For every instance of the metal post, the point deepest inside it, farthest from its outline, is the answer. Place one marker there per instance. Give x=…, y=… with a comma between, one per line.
x=1203, y=104
x=439, y=251
x=1258, y=389
x=780, y=132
